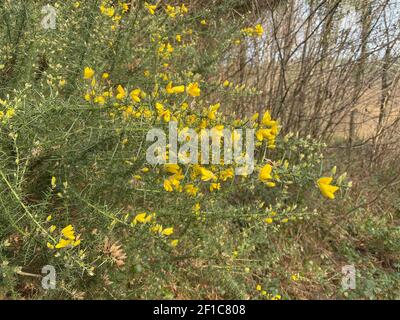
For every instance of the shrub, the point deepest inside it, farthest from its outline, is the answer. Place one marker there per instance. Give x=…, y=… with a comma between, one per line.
x=77, y=190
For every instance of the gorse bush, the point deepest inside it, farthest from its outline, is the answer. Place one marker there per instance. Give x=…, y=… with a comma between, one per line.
x=77, y=191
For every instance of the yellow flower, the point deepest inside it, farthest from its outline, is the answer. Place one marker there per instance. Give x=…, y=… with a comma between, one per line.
x=142, y=218
x=196, y=171
x=63, y=243
x=248, y=31
x=105, y=75
x=167, y=231
x=61, y=83
x=159, y=108
x=48, y=218
x=196, y=208
x=327, y=190
x=203, y=125
x=184, y=9
x=168, y=88
x=156, y=228
x=176, y=178
x=170, y=11
x=170, y=49
x=68, y=232
x=10, y=113
x=226, y=174
x=121, y=93
x=166, y=115
x=172, y=168
x=168, y=186
x=100, y=100
x=49, y=245
x=193, y=89
x=191, y=189
x=226, y=83
x=212, y=110
x=268, y=220
x=265, y=173
x=295, y=277
x=107, y=11
x=135, y=95
x=147, y=113
x=151, y=8
x=215, y=186
x=53, y=182
x=258, y=287
x=177, y=89
x=88, y=73
x=266, y=119
x=125, y=7
x=52, y=228
x=258, y=30
x=174, y=243
x=178, y=38
x=207, y=175
x=203, y=22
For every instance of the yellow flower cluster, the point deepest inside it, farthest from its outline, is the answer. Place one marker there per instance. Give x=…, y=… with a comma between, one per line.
x=265, y=175
x=114, y=11
x=167, y=95
x=7, y=113
x=256, y=31
x=210, y=117
x=171, y=11
x=268, y=130
x=267, y=295
x=136, y=94
x=143, y=218
x=67, y=238
x=174, y=11
x=327, y=190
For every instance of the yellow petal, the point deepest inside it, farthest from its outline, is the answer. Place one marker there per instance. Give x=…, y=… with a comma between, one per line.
x=325, y=180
